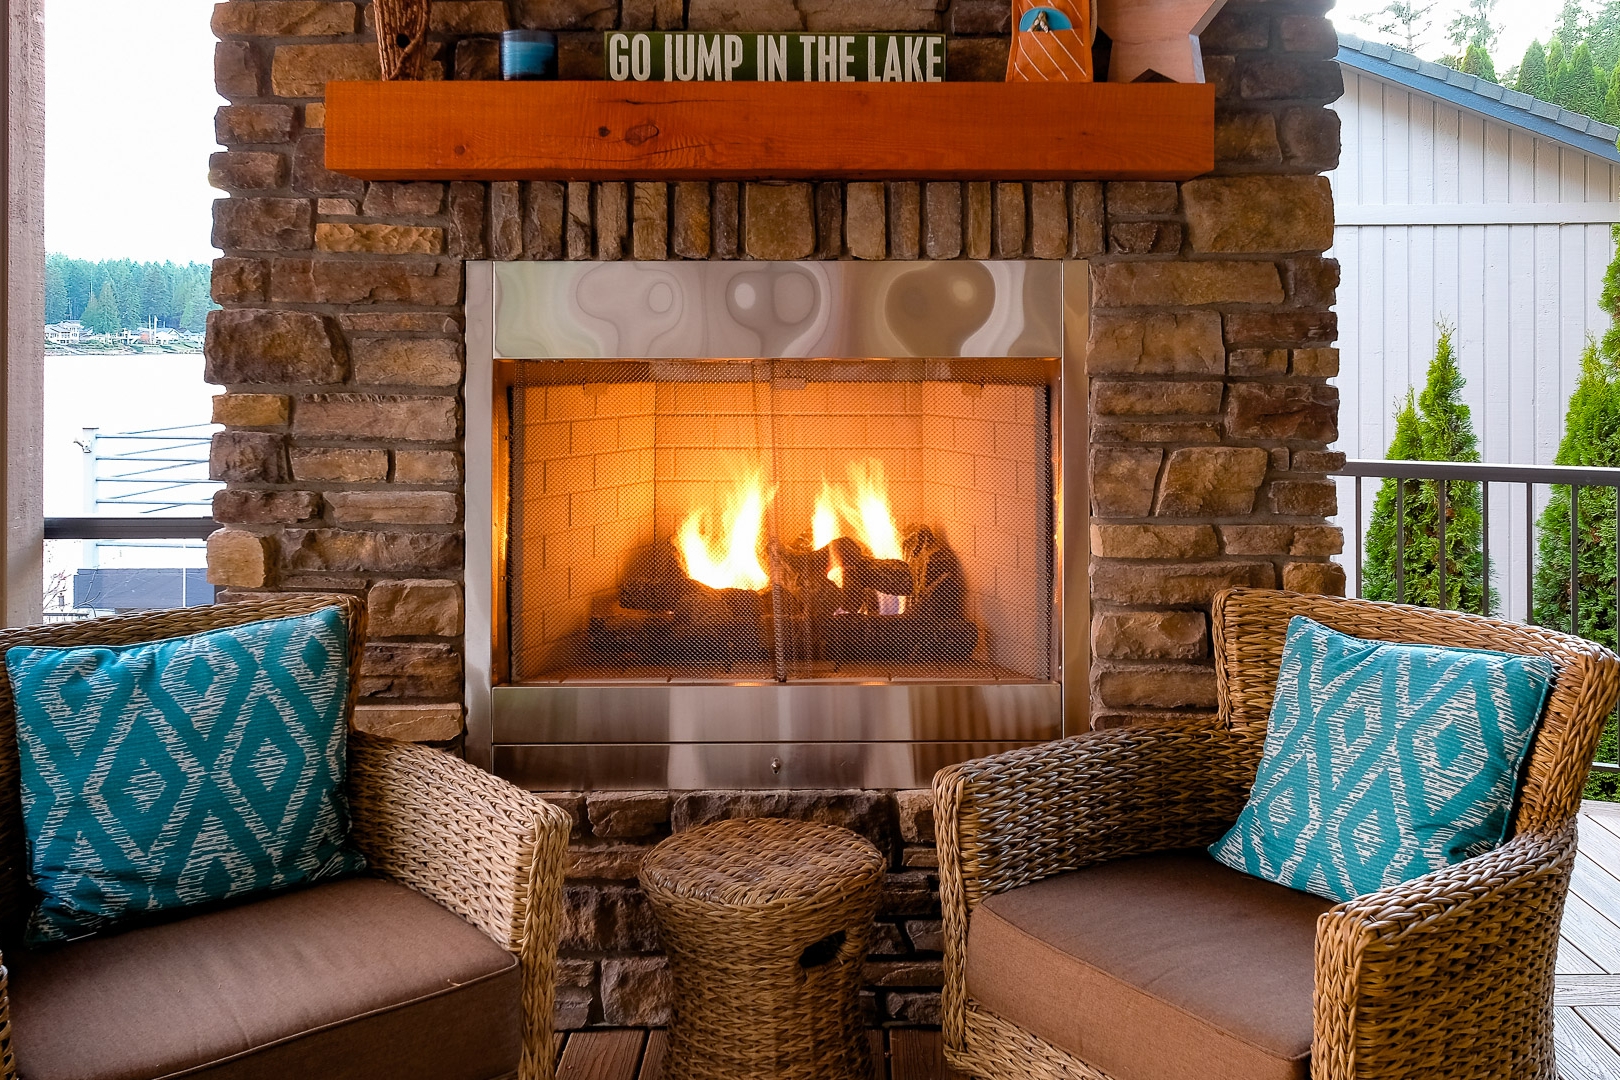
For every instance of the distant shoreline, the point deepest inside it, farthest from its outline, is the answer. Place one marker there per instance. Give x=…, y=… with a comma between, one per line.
x=57, y=350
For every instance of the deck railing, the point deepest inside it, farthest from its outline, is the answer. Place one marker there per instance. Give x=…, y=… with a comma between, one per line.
x=1530, y=485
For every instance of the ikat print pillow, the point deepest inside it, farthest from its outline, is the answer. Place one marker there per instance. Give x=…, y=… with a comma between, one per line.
x=182, y=772
x=1384, y=761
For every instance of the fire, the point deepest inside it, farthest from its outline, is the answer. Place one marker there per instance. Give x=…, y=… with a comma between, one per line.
x=728, y=559
x=824, y=521
x=866, y=512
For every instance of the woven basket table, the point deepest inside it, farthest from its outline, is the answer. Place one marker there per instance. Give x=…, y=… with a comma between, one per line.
x=766, y=924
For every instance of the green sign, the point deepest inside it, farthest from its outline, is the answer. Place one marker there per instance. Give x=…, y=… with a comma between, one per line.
x=656, y=56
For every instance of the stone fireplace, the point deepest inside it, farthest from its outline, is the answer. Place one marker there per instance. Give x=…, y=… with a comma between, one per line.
x=349, y=421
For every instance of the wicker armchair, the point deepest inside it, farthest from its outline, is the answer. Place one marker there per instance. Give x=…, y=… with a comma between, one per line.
x=475, y=845
x=1447, y=976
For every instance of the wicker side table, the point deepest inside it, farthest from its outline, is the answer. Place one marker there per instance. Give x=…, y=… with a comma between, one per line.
x=766, y=923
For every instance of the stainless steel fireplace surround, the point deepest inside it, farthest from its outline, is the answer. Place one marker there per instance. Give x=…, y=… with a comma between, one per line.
x=755, y=525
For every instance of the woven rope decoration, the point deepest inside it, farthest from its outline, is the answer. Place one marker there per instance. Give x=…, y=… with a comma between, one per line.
x=401, y=36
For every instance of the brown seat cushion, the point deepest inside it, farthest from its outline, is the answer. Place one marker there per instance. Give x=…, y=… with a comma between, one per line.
x=357, y=979
x=1162, y=967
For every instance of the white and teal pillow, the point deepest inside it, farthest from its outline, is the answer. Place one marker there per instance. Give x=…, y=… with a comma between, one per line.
x=181, y=772
x=1384, y=761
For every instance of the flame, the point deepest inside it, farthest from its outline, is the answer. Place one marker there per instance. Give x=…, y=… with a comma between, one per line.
x=835, y=568
x=729, y=559
x=869, y=512
x=824, y=521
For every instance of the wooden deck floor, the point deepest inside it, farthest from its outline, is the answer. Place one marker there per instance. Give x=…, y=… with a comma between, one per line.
x=1587, y=997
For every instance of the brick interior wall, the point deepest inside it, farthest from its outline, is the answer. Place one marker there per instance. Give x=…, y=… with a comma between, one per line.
x=340, y=356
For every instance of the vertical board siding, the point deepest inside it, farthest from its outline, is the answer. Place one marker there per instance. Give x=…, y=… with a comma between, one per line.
x=1523, y=297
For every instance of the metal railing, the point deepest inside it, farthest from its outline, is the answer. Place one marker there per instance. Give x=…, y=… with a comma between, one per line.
x=1536, y=483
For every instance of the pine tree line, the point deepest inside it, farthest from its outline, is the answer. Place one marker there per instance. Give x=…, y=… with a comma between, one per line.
x=120, y=294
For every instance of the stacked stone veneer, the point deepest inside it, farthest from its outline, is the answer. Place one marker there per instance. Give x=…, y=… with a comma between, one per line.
x=340, y=352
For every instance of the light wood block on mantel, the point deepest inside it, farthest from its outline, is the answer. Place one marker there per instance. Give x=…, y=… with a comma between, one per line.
x=718, y=131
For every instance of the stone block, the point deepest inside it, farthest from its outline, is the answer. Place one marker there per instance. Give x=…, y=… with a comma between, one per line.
x=1310, y=138
x=302, y=71
x=886, y=941
x=1009, y=220
x=1316, y=363
x=1141, y=197
x=239, y=281
x=343, y=551
x=914, y=1009
x=392, y=670
x=926, y=935
x=238, y=125
x=1122, y=480
x=468, y=17
x=399, y=322
x=1156, y=344
x=264, y=224
x=315, y=115
x=426, y=467
x=237, y=73
x=1312, y=34
x=1153, y=541
x=1259, y=213
x=1048, y=220
x=404, y=200
x=869, y=813
x=780, y=221
x=1257, y=362
x=1317, y=540
x=379, y=239
x=979, y=219
x=284, y=18
x=414, y=608
x=636, y=991
x=429, y=282
x=1158, y=398
x=580, y=55
x=247, y=170
x=467, y=220
x=478, y=60
x=1086, y=218
x=248, y=457
x=1247, y=138
x=1158, y=687
x=1304, y=498
x=725, y=216
x=652, y=14
x=866, y=220
x=1174, y=584
x=1281, y=329
x=410, y=723
x=544, y=208
x=607, y=918
x=1321, y=578
x=394, y=507
x=236, y=507
x=920, y=856
x=1211, y=481
x=829, y=219
x=1151, y=635
x=1311, y=282
x=606, y=862
x=1111, y=430
x=1185, y=284
x=1237, y=30
x=908, y=973
x=905, y=220
x=1257, y=539
x=612, y=208
x=910, y=892
x=1277, y=78
x=691, y=235
x=377, y=416
x=578, y=237
x=977, y=59
x=240, y=559
x=406, y=361
x=1308, y=411
x=1144, y=237
x=339, y=465
x=650, y=221
x=980, y=17
x=942, y=220
x=1319, y=461
x=916, y=815
x=310, y=174
x=505, y=220
x=565, y=14
x=247, y=345
x=624, y=815
x=251, y=410
x=337, y=207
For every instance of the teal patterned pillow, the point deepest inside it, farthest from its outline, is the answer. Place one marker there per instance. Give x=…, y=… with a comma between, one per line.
x=1384, y=761
x=182, y=772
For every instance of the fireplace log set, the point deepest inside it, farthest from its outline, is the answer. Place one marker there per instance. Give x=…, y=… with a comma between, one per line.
x=839, y=604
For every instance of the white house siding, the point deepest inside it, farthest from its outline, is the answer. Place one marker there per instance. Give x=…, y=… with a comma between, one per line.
x=1447, y=216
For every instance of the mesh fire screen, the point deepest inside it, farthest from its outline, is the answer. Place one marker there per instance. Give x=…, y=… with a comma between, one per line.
x=781, y=520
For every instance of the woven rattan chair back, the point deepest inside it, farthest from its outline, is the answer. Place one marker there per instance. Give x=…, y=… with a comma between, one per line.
x=1250, y=625
x=15, y=896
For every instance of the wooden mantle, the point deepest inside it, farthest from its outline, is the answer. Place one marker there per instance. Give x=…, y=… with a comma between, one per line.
x=719, y=131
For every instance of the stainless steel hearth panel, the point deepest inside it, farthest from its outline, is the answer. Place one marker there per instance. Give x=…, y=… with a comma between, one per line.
x=796, y=713
x=742, y=766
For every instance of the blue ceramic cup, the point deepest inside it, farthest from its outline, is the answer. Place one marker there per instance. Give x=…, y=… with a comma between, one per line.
x=528, y=54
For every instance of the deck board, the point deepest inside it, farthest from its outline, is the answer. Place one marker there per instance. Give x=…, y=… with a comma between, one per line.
x=1587, y=995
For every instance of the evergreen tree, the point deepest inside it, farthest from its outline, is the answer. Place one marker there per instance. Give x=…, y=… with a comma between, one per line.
x=1473, y=26
x=1611, y=102
x=1603, y=35
x=1432, y=426
x=1557, y=70
x=1533, y=72
x=57, y=306
x=1571, y=25
x=155, y=293
x=101, y=315
x=1404, y=22
x=1578, y=89
x=1476, y=61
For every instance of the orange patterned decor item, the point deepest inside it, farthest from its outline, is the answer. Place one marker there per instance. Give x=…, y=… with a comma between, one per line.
x=401, y=36
x=1052, y=40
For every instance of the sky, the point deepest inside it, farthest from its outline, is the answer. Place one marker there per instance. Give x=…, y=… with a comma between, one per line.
x=129, y=126
x=1521, y=20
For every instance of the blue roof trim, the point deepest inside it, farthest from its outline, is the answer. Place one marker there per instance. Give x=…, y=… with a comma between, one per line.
x=1481, y=96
